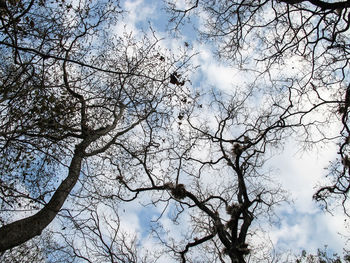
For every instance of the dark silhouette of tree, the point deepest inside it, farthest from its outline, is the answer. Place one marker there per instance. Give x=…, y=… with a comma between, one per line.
x=71, y=91
x=118, y=246
x=263, y=37
x=90, y=118
x=322, y=255
x=217, y=178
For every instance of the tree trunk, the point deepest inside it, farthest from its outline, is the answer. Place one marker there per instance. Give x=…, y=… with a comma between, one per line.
x=22, y=230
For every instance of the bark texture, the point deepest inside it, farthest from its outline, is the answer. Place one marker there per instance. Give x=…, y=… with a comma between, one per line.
x=22, y=230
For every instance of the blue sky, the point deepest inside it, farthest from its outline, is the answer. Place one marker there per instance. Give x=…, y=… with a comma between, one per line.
x=301, y=225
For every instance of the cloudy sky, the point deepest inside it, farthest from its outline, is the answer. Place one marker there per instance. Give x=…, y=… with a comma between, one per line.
x=302, y=224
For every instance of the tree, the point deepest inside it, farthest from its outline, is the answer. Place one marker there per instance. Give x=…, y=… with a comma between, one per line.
x=91, y=118
x=299, y=45
x=217, y=182
x=322, y=256
x=72, y=91
x=117, y=246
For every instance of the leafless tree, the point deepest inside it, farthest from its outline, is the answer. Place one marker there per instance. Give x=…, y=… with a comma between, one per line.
x=90, y=118
x=96, y=236
x=73, y=92
x=302, y=45
x=217, y=184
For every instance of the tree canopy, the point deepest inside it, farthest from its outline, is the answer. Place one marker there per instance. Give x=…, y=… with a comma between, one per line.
x=95, y=118
x=296, y=45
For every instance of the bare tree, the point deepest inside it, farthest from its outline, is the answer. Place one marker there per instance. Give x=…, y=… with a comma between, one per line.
x=217, y=182
x=90, y=117
x=97, y=236
x=301, y=45
x=71, y=90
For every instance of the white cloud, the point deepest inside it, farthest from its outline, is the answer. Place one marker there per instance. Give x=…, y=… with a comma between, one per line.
x=300, y=172
x=303, y=225
x=139, y=11
x=309, y=231
x=216, y=74
x=137, y=14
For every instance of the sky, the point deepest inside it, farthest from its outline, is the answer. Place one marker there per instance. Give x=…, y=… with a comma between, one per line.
x=302, y=224
x=299, y=224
